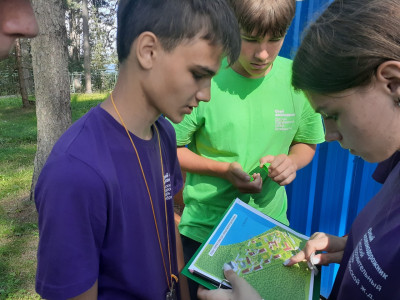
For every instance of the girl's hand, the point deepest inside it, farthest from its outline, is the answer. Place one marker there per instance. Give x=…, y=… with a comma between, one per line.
x=319, y=241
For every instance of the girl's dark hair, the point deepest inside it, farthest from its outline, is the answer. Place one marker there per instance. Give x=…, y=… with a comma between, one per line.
x=174, y=21
x=343, y=48
x=261, y=17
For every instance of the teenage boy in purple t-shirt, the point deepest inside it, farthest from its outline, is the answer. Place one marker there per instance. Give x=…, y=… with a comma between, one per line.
x=104, y=196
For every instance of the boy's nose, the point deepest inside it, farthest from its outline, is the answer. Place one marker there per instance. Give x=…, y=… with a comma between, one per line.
x=261, y=54
x=331, y=134
x=19, y=21
x=204, y=94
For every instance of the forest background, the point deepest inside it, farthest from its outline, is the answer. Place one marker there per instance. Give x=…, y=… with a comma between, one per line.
x=45, y=85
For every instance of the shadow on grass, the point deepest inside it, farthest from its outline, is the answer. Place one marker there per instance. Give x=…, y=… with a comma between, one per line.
x=18, y=246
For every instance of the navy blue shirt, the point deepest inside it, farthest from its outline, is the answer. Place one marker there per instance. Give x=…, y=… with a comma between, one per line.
x=369, y=268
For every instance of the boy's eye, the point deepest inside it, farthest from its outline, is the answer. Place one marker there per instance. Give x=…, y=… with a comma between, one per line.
x=276, y=39
x=333, y=117
x=198, y=76
x=249, y=39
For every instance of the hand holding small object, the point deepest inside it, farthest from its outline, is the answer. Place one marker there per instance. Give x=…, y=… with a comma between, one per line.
x=333, y=246
x=241, y=289
x=282, y=169
x=242, y=181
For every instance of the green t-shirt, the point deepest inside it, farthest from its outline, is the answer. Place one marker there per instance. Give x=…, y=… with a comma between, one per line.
x=245, y=120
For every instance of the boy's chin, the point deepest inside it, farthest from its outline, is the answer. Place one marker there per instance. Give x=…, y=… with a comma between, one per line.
x=175, y=119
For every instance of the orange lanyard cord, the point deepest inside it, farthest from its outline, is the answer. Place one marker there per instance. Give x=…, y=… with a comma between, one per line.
x=151, y=200
x=166, y=213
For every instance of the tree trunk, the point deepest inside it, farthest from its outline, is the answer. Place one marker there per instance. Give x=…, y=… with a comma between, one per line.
x=74, y=37
x=86, y=46
x=21, y=77
x=27, y=66
x=50, y=69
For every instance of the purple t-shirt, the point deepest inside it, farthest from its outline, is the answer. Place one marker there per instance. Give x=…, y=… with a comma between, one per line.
x=95, y=216
x=369, y=268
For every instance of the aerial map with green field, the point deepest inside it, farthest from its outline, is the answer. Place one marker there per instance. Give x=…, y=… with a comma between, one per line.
x=256, y=247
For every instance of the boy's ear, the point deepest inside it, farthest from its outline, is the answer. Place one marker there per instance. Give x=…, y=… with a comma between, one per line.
x=389, y=73
x=147, y=46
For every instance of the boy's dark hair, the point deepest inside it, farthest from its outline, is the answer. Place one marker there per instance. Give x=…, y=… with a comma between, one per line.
x=343, y=48
x=174, y=21
x=261, y=17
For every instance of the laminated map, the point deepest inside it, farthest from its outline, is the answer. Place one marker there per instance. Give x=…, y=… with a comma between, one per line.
x=255, y=246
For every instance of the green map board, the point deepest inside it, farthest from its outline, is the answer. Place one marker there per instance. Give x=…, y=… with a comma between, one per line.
x=256, y=247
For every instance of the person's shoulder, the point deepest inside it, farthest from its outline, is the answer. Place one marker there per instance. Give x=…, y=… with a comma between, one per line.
x=83, y=133
x=69, y=177
x=76, y=128
x=166, y=129
x=77, y=145
x=62, y=168
x=385, y=167
x=284, y=60
x=167, y=136
x=86, y=140
x=281, y=73
x=283, y=63
x=164, y=123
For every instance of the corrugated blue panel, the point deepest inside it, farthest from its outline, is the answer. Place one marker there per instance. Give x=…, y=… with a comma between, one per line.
x=306, y=11
x=329, y=193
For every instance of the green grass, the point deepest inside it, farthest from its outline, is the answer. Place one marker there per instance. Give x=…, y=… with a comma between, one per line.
x=18, y=219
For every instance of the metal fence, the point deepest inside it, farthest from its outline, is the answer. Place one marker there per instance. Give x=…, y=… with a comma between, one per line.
x=102, y=81
x=9, y=84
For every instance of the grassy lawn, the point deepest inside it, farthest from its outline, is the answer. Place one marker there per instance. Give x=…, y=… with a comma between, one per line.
x=18, y=219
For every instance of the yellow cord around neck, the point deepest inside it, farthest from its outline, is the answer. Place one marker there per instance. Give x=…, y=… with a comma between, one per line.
x=173, y=277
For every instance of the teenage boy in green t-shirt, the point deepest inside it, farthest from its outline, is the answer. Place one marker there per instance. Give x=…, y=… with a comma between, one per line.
x=254, y=117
